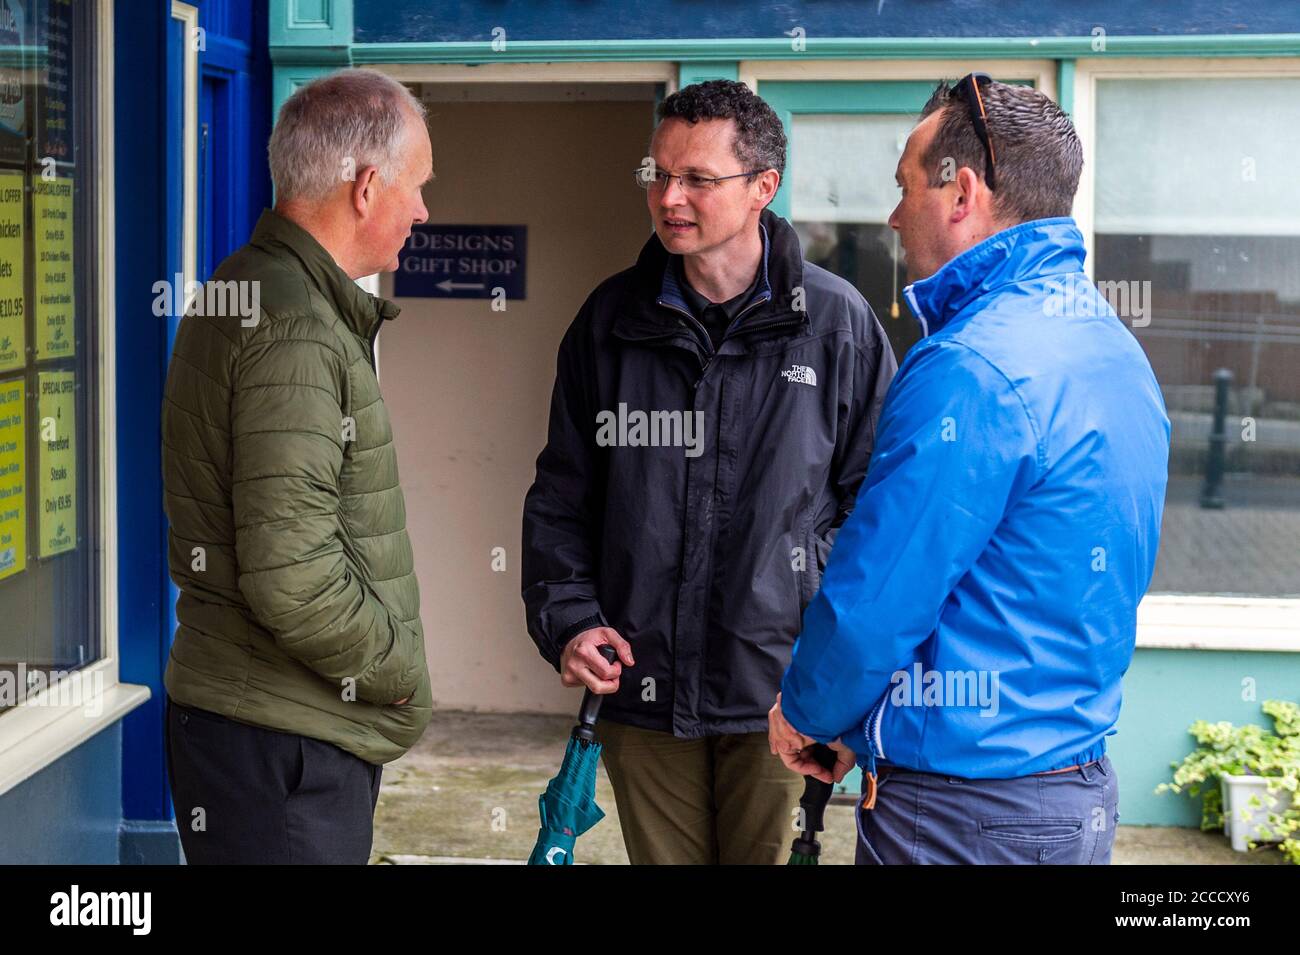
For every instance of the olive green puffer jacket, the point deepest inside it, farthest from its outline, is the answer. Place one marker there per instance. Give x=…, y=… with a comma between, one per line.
x=299, y=609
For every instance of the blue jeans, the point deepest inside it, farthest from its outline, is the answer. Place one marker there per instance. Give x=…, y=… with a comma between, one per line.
x=927, y=819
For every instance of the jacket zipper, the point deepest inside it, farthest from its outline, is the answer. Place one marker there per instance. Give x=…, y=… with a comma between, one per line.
x=704, y=332
x=745, y=311
x=374, y=336
x=871, y=730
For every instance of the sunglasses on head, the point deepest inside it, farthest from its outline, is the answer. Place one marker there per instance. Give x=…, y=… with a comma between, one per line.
x=968, y=88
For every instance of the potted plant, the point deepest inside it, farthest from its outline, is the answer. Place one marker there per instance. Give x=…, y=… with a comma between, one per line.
x=1247, y=779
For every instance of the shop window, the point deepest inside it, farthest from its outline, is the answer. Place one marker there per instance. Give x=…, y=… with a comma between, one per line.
x=842, y=192
x=49, y=498
x=1197, y=239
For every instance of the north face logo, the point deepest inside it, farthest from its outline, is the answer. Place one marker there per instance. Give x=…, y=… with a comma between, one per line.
x=802, y=374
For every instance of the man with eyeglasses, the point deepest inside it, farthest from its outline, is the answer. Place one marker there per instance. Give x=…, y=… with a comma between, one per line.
x=713, y=414
x=980, y=608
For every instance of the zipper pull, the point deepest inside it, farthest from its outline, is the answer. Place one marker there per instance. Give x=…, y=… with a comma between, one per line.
x=869, y=775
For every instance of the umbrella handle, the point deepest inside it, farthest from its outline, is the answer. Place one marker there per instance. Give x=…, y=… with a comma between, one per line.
x=590, y=709
x=817, y=794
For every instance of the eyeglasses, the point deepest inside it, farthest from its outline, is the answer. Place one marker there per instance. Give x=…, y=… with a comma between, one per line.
x=654, y=178
x=968, y=87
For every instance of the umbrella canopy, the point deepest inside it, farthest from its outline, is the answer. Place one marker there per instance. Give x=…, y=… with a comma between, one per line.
x=568, y=807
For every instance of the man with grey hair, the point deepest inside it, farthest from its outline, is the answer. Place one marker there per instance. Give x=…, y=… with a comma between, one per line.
x=298, y=667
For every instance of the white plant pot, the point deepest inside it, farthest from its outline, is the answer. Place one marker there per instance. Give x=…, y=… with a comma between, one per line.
x=1241, y=819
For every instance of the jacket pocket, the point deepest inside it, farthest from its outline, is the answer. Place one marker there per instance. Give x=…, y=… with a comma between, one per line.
x=810, y=574
x=194, y=713
x=816, y=553
x=1031, y=840
x=822, y=552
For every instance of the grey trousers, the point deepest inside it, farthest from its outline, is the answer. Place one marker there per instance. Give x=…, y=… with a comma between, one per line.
x=926, y=819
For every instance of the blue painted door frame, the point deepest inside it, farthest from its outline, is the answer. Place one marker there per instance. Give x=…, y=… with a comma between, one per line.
x=234, y=185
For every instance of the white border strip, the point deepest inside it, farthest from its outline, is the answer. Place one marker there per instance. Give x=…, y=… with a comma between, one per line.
x=189, y=16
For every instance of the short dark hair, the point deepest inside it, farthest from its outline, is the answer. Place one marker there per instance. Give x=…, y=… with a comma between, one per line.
x=760, y=137
x=1039, y=157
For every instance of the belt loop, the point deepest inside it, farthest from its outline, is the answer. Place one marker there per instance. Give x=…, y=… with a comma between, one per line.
x=1101, y=765
x=1083, y=771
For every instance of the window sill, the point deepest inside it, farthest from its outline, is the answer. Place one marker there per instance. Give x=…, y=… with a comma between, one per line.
x=1175, y=622
x=32, y=737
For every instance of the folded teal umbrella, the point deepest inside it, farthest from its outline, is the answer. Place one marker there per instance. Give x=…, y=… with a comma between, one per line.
x=568, y=807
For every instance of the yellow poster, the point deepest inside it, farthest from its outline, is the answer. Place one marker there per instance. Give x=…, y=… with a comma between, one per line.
x=13, y=328
x=57, y=464
x=52, y=234
x=13, y=479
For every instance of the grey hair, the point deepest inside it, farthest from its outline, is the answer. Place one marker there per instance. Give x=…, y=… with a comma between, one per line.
x=353, y=114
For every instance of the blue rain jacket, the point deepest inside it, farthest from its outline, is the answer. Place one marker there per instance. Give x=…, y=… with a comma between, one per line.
x=979, y=607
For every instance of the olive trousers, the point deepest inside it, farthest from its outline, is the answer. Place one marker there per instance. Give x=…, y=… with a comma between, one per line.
x=713, y=800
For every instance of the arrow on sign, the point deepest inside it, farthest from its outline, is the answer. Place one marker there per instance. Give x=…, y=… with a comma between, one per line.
x=447, y=285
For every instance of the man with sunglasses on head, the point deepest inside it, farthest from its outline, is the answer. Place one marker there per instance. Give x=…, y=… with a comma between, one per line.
x=980, y=608
x=713, y=414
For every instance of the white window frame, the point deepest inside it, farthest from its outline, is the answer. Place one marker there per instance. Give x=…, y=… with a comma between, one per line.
x=1172, y=621
x=40, y=730
x=1088, y=70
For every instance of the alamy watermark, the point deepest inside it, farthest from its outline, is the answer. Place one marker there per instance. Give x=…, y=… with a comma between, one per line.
x=653, y=429
x=956, y=688
x=229, y=299
x=128, y=909
x=65, y=688
x=1077, y=297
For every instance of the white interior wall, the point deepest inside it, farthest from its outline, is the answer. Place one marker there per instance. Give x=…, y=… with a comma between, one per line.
x=468, y=388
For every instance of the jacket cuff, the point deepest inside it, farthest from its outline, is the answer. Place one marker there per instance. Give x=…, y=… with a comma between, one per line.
x=552, y=649
x=575, y=628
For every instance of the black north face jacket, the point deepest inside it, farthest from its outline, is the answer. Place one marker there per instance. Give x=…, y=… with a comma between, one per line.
x=701, y=546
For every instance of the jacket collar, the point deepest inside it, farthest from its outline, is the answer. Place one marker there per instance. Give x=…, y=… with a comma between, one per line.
x=357, y=308
x=652, y=303
x=673, y=293
x=1030, y=250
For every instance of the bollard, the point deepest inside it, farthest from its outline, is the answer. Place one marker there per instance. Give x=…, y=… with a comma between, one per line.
x=1211, y=496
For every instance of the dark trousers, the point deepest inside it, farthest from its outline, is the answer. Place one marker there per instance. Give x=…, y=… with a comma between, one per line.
x=248, y=795
x=926, y=818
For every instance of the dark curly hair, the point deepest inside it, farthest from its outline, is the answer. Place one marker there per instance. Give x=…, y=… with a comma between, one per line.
x=760, y=137
x=1039, y=157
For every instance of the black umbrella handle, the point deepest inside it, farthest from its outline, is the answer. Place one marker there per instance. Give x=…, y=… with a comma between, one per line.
x=590, y=709
x=817, y=794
